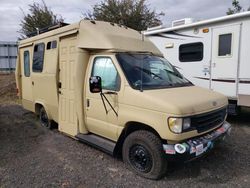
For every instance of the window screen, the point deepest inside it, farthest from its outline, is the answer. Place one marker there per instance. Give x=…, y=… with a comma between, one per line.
x=38, y=58
x=225, y=44
x=104, y=67
x=191, y=52
x=26, y=60
x=51, y=45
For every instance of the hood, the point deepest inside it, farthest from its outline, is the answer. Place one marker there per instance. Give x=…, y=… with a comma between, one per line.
x=177, y=101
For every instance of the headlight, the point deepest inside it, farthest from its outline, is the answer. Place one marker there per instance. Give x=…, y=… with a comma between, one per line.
x=176, y=125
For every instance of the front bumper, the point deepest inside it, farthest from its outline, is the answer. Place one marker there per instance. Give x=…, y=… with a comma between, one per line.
x=196, y=147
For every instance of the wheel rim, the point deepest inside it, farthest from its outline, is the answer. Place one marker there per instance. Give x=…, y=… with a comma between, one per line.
x=140, y=158
x=44, y=119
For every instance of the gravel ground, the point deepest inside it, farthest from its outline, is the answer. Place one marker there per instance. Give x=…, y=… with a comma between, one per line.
x=8, y=89
x=32, y=156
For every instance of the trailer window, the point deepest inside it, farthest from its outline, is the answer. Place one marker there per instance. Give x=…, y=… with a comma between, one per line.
x=191, y=52
x=26, y=60
x=38, y=58
x=225, y=44
x=104, y=67
x=51, y=45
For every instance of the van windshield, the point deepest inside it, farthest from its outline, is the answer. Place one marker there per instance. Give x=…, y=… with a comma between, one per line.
x=146, y=71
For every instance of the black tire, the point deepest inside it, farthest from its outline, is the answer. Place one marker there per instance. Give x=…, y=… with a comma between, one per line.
x=44, y=120
x=143, y=153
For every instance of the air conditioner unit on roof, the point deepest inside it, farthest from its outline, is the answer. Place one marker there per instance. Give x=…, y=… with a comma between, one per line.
x=182, y=22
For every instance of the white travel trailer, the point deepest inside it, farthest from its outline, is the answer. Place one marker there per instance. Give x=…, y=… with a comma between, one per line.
x=213, y=53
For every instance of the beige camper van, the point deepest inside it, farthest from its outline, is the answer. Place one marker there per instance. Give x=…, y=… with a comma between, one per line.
x=106, y=85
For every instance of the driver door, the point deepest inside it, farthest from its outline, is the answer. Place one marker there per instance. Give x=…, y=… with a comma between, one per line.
x=103, y=121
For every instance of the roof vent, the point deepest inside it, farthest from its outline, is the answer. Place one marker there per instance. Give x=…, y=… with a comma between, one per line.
x=182, y=22
x=155, y=28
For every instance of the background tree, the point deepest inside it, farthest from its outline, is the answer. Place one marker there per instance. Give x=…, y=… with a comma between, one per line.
x=39, y=16
x=131, y=13
x=236, y=8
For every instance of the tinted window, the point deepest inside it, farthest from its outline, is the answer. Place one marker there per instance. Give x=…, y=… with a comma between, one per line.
x=38, y=58
x=104, y=68
x=146, y=71
x=225, y=43
x=26, y=60
x=51, y=45
x=191, y=52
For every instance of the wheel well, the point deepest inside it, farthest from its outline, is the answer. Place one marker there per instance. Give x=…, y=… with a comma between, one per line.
x=129, y=128
x=37, y=108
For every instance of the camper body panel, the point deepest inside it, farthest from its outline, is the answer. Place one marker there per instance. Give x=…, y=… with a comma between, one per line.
x=225, y=73
x=169, y=44
x=44, y=75
x=244, y=78
x=80, y=80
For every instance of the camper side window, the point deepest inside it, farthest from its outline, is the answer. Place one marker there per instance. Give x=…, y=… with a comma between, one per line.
x=191, y=52
x=104, y=67
x=38, y=58
x=51, y=45
x=26, y=60
x=225, y=44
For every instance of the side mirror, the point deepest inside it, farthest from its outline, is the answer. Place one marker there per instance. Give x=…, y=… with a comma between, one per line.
x=95, y=84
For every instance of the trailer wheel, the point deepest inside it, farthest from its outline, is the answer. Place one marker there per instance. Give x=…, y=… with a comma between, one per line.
x=143, y=153
x=44, y=120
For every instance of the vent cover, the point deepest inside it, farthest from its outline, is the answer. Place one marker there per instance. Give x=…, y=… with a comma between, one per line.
x=182, y=22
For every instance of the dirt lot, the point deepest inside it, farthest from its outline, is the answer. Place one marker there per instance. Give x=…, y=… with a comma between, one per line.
x=8, y=89
x=32, y=156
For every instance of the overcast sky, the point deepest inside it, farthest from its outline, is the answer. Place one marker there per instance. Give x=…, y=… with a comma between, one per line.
x=71, y=11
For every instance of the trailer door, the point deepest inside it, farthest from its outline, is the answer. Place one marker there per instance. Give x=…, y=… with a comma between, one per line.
x=225, y=56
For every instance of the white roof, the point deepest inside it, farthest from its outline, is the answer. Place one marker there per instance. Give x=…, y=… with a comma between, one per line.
x=204, y=22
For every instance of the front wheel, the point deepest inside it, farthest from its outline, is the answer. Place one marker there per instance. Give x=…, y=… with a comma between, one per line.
x=143, y=153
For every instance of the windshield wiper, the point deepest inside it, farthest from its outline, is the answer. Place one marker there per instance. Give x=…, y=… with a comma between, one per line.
x=149, y=72
x=173, y=73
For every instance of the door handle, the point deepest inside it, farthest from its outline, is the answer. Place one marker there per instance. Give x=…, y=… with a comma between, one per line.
x=88, y=103
x=32, y=82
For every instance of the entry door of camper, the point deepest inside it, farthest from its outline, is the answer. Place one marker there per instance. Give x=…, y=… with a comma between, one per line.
x=27, y=94
x=67, y=61
x=225, y=56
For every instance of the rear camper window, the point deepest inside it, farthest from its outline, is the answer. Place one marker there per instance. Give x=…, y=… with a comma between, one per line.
x=191, y=52
x=225, y=45
x=51, y=45
x=38, y=58
x=26, y=64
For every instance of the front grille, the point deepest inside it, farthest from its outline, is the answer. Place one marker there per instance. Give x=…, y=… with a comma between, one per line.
x=204, y=122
